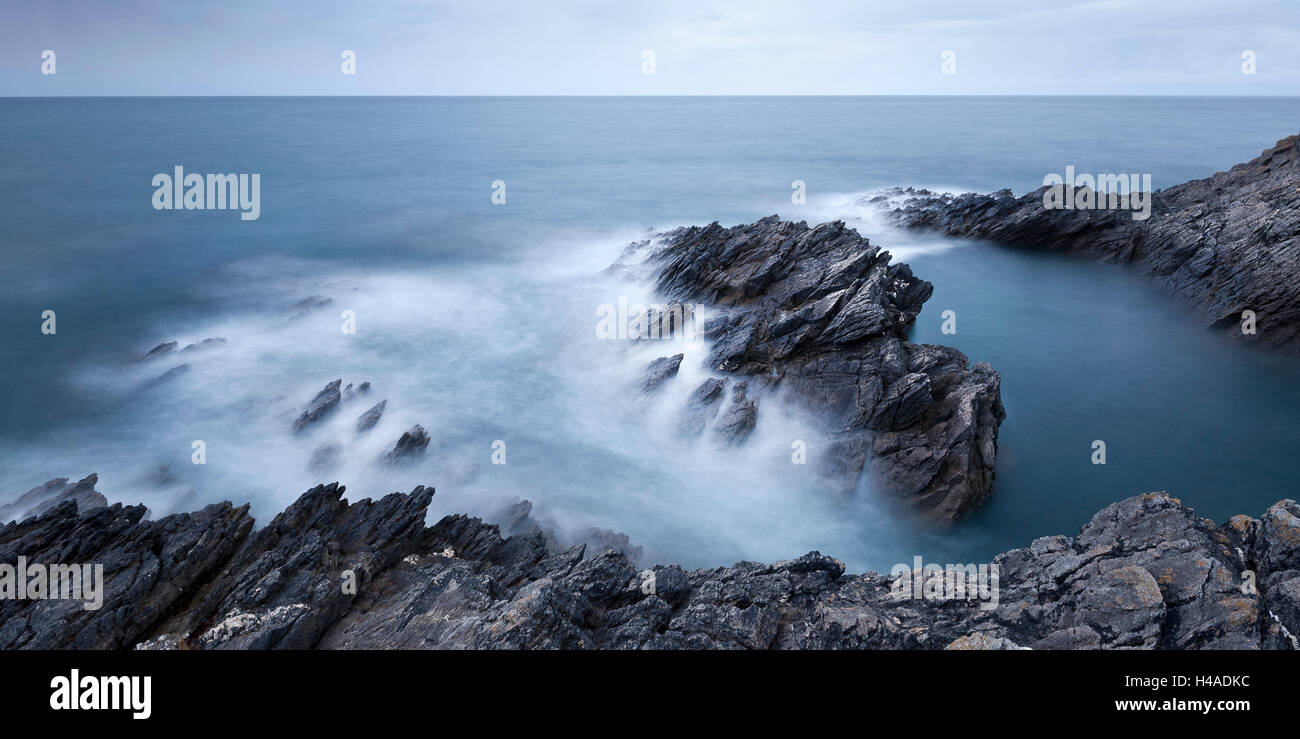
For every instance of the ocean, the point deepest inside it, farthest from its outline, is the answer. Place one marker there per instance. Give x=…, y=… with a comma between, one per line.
x=477, y=320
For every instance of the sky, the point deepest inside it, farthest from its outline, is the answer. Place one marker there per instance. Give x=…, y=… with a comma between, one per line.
x=599, y=47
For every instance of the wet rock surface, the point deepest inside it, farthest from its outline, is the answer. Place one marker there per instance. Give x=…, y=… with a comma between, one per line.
x=44, y=497
x=1227, y=243
x=1145, y=573
x=822, y=316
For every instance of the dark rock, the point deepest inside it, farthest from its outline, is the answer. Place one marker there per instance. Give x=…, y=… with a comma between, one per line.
x=371, y=417
x=1227, y=243
x=320, y=406
x=738, y=419
x=205, y=344
x=44, y=497
x=149, y=568
x=821, y=313
x=660, y=370
x=166, y=347
x=1146, y=572
x=409, y=446
x=702, y=406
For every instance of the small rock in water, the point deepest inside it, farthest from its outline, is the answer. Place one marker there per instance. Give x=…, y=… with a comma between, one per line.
x=411, y=445
x=164, y=348
x=324, y=402
x=371, y=417
x=660, y=370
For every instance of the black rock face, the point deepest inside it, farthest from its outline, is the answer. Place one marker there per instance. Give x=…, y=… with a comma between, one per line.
x=1229, y=243
x=1146, y=572
x=821, y=313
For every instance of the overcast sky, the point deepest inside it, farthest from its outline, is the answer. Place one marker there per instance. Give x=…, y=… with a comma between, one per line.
x=567, y=47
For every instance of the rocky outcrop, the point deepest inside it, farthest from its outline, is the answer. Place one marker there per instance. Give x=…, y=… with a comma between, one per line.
x=44, y=497
x=320, y=406
x=371, y=417
x=149, y=570
x=1229, y=243
x=410, y=444
x=660, y=370
x=821, y=315
x=1145, y=573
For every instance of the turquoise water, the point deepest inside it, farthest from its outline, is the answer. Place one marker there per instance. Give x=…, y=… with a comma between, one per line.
x=476, y=319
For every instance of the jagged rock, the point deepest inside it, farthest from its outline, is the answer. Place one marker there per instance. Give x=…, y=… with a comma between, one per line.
x=822, y=313
x=702, y=406
x=205, y=344
x=349, y=392
x=309, y=304
x=1146, y=572
x=285, y=586
x=44, y=497
x=320, y=406
x=166, y=347
x=660, y=370
x=371, y=417
x=411, y=444
x=150, y=567
x=1227, y=243
x=738, y=419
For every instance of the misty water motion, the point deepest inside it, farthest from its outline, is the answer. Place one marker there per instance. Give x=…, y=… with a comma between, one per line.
x=478, y=322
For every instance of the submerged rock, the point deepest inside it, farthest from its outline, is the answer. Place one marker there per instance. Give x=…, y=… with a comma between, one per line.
x=1229, y=243
x=821, y=314
x=1145, y=572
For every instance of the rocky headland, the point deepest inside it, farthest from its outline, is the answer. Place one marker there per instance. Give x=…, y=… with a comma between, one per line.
x=820, y=316
x=1145, y=573
x=1228, y=244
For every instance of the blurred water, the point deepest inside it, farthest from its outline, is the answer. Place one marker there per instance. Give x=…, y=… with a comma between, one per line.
x=477, y=321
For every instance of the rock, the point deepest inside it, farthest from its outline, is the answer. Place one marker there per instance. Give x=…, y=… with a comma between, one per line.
x=150, y=567
x=309, y=304
x=660, y=370
x=166, y=347
x=44, y=497
x=409, y=446
x=205, y=344
x=170, y=374
x=349, y=392
x=371, y=417
x=320, y=406
x=702, y=406
x=285, y=586
x=1145, y=572
x=822, y=314
x=738, y=419
x=1227, y=243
